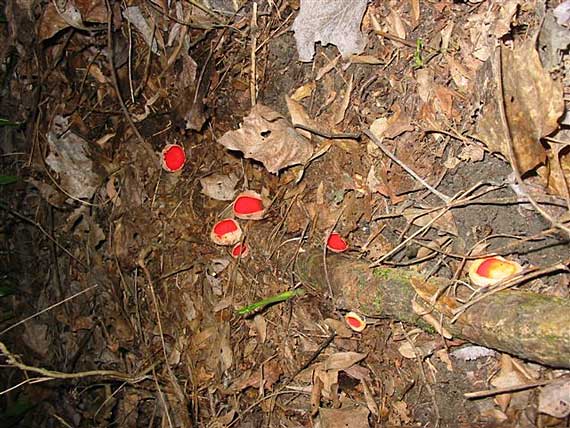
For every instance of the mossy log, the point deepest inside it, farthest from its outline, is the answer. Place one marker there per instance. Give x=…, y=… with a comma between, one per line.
x=528, y=325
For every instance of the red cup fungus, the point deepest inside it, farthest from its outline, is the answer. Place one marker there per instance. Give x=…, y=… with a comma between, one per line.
x=489, y=271
x=226, y=232
x=249, y=205
x=173, y=157
x=355, y=321
x=336, y=243
x=240, y=250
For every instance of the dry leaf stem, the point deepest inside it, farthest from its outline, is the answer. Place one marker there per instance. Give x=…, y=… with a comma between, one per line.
x=328, y=135
x=254, y=29
x=113, y=70
x=13, y=360
x=515, y=388
x=406, y=168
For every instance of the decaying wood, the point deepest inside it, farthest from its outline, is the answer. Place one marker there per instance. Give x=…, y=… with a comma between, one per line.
x=528, y=325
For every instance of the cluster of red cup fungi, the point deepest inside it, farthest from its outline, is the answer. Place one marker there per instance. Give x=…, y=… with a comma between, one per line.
x=248, y=205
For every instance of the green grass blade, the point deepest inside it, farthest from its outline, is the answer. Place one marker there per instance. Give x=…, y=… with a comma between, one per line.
x=270, y=300
x=7, y=179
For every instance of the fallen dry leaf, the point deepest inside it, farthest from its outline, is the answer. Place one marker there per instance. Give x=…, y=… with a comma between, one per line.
x=53, y=20
x=533, y=105
x=342, y=360
x=341, y=109
x=554, y=399
x=267, y=136
x=219, y=186
x=421, y=217
x=329, y=21
x=304, y=91
x=507, y=377
x=299, y=116
x=557, y=173
x=353, y=417
x=69, y=159
x=394, y=126
x=491, y=24
x=396, y=26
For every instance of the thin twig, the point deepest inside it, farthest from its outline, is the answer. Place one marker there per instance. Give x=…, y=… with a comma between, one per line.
x=254, y=29
x=492, y=392
x=55, y=305
x=52, y=374
x=406, y=168
x=113, y=70
x=43, y=231
x=328, y=135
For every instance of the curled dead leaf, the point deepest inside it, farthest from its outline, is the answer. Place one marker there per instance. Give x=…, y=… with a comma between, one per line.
x=269, y=138
x=533, y=105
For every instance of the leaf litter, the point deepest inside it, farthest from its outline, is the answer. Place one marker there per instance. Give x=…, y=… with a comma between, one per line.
x=111, y=256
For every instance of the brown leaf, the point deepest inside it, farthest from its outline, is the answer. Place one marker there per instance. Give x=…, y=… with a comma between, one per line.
x=299, y=116
x=558, y=172
x=507, y=377
x=304, y=91
x=341, y=109
x=266, y=136
x=69, y=157
x=343, y=360
x=355, y=417
x=533, y=105
x=554, y=399
x=92, y=10
x=396, y=125
x=219, y=186
x=421, y=217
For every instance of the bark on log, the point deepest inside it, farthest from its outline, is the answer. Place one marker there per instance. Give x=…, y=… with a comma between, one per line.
x=528, y=325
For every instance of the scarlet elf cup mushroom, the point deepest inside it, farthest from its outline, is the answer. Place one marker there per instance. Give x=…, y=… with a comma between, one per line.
x=226, y=232
x=489, y=271
x=249, y=205
x=240, y=250
x=355, y=321
x=173, y=157
x=336, y=243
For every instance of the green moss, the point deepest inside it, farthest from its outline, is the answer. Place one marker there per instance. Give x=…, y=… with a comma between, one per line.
x=377, y=304
x=382, y=273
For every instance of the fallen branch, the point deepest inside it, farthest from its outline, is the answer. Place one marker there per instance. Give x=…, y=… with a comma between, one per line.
x=528, y=325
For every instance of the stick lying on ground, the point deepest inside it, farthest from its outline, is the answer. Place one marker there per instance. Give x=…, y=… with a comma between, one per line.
x=528, y=325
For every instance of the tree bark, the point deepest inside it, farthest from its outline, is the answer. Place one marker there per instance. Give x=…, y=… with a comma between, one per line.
x=528, y=325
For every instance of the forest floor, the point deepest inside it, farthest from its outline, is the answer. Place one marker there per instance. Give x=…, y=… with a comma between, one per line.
x=118, y=309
